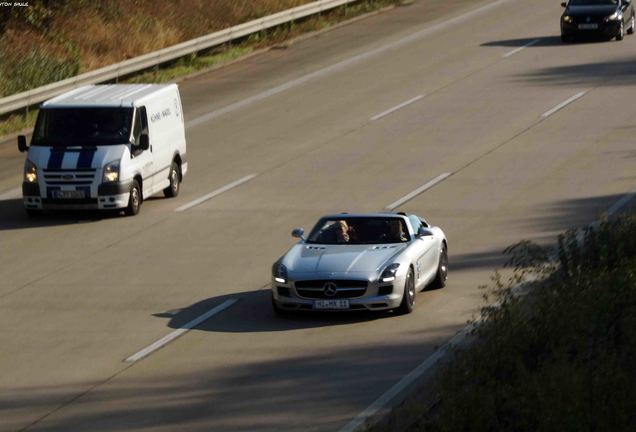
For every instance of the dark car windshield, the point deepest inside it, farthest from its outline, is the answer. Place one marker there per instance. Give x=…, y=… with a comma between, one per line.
x=61, y=127
x=593, y=2
x=359, y=230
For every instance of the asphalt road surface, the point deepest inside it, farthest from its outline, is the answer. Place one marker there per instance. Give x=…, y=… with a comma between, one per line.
x=470, y=92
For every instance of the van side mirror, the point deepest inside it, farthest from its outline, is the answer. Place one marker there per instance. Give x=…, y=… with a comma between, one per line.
x=144, y=142
x=298, y=233
x=424, y=232
x=22, y=144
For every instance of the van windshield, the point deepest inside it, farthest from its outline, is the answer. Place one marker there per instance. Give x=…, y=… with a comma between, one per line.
x=63, y=127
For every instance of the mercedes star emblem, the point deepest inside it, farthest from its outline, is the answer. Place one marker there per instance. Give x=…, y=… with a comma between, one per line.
x=330, y=289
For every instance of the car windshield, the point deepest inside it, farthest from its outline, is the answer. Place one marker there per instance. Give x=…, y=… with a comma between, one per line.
x=62, y=127
x=593, y=2
x=359, y=230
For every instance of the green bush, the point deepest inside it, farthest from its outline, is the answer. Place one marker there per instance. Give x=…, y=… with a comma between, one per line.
x=560, y=358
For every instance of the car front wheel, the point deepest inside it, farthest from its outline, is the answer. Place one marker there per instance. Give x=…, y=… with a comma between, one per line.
x=621, y=33
x=134, y=200
x=408, y=299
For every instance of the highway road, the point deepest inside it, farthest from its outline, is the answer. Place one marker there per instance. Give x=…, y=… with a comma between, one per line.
x=527, y=137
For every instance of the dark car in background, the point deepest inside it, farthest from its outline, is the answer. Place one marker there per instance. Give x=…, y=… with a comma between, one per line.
x=602, y=18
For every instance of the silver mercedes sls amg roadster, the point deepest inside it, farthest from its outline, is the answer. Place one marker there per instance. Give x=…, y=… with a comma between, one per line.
x=375, y=261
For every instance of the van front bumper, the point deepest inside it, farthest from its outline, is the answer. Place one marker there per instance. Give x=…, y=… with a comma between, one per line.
x=109, y=196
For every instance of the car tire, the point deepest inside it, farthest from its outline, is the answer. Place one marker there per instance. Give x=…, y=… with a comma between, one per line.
x=175, y=181
x=621, y=33
x=408, y=299
x=134, y=199
x=33, y=213
x=632, y=24
x=442, y=269
x=565, y=38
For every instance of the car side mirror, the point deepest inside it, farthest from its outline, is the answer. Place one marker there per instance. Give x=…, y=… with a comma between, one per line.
x=22, y=144
x=563, y=4
x=424, y=232
x=144, y=142
x=298, y=233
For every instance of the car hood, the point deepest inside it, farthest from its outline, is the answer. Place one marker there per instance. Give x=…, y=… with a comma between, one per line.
x=340, y=259
x=74, y=157
x=590, y=10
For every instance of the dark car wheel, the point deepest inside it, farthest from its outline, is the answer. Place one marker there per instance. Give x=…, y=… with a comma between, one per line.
x=621, y=33
x=442, y=269
x=632, y=23
x=408, y=299
x=565, y=38
x=175, y=181
x=134, y=200
x=33, y=213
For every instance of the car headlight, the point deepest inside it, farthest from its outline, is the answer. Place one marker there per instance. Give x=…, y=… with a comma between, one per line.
x=279, y=272
x=567, y=19
x=388, y=275
x=613, y=17
x=111, y=172
x=30, y=172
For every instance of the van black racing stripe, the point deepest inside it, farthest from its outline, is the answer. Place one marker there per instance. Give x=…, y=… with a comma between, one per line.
x=85, y=159
x=55, y=159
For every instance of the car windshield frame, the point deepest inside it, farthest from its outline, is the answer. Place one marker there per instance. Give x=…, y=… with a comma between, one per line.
x=594, y=3
x=360, y=231
x=83, y=126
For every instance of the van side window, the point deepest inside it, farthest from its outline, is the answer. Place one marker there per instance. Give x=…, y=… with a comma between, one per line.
x=141, y=124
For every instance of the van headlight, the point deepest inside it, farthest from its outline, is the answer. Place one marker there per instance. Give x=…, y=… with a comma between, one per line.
x=30, y=172
x=111, y=172
x=567, y=19
x=388, y=275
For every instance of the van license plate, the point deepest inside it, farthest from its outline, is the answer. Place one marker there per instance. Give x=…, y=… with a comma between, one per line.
x=331, y=304
x=66, y=194
x=593, y=26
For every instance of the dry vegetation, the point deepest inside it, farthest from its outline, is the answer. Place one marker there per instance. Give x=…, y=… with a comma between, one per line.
x=53, y=40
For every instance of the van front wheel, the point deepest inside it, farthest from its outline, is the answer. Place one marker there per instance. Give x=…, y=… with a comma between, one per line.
x=134, y=200
x=175, y=181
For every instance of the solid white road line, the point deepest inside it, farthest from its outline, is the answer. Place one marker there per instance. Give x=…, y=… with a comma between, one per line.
x=12, y=194
x=618, y=205
x=515, y=51
x=453, y=22
x=563, y=104
x=395, y=108
x=382, y=403
x=417, y=191
x=175, y=334
x=217, y=192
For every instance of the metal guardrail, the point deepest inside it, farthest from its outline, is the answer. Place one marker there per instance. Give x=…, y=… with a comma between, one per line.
x=34, y=96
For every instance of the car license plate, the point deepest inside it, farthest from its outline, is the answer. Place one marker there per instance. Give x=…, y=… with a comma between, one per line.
x=331, y=304
x=588, y=26
x=68, y=194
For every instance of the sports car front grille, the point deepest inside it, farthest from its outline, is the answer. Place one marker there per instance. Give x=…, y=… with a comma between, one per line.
x=340, y=283
x=338, y=295
x=345, y=288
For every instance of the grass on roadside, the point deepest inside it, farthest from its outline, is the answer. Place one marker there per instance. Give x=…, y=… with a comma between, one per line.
x=560, y=358
x=205, y=60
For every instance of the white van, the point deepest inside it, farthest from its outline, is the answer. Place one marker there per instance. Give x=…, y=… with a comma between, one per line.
x=105, y=147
